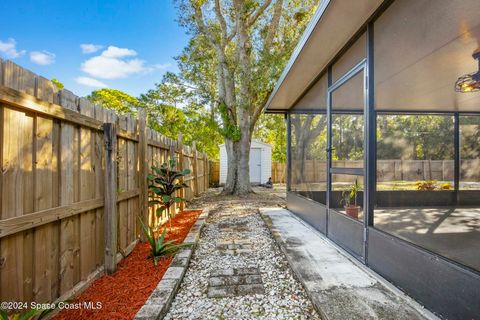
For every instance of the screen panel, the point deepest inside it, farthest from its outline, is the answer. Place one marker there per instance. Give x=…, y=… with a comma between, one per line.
x=420, y=49
x=356, y=53
x=415, y=198
x=415, y=152
x=347, y=140
x=350, y=95
x=315, y=98
x=308, y=156
x=470, y=152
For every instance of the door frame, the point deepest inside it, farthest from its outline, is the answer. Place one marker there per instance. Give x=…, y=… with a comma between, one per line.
x=348, y=222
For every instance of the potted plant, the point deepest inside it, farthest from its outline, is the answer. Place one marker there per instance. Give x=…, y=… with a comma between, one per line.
x=349, y=199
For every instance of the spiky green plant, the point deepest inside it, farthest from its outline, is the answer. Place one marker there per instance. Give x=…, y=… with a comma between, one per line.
x=158, y=246
x=351, y=194
x=164, y=181
x=32, y=314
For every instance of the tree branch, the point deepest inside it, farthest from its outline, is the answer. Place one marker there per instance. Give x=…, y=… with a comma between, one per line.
x=222, y=22
x=272, y=29
x=254, y=17
x=258, y=111
x=201, y=24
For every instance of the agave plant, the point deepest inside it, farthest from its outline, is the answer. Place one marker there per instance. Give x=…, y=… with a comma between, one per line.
x=158, y=245
x=163, y=183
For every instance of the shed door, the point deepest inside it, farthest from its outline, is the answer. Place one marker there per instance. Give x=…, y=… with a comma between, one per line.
x=255, y=165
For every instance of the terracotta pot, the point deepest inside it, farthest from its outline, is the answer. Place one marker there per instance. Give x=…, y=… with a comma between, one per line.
x=352, y=211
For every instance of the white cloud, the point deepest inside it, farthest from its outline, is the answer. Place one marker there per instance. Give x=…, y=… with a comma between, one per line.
x=115, y=52
x=90, y=48
x=42, y=58
x=90, y=82
x=117, y=63
x=161, y=66
x=111, y=68
x=9, y=49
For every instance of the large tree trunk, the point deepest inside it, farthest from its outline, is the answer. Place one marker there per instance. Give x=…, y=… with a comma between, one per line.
x=232, y=168
x=238, y=173
x=243, y=184
x=239, y=183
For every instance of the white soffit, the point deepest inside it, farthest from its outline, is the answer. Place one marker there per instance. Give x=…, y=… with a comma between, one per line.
x=333, y=25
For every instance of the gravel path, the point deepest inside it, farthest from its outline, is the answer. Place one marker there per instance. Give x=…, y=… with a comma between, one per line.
x=237, y=271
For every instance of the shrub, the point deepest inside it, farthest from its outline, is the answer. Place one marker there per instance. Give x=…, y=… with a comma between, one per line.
x=446, y=186
x=429, y=185
x=426, y=185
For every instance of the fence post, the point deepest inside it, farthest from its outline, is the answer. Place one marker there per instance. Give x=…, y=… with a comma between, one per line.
x=143, y=170
x=180, y=168
x=110, y=197
x=205, y=172
x=195, y=169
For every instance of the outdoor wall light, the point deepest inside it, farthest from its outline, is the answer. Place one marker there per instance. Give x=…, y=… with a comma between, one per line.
x=470, y=82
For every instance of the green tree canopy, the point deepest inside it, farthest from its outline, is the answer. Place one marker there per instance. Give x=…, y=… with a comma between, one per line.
x=115, y=100
x=58, y=84
x=176, y=107
x=171, y=108
x=236, y=54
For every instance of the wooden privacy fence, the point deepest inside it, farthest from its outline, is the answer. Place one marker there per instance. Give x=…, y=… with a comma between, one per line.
x=214, y=172
x=72, y=184
x=387, y=170
x=279, y=172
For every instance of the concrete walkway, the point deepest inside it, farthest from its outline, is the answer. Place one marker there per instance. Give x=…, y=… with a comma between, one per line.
x=338, y=287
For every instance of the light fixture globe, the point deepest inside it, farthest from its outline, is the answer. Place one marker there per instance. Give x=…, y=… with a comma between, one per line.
x=470, y=82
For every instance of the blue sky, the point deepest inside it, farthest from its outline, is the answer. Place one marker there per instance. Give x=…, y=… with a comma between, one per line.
x=129, y=44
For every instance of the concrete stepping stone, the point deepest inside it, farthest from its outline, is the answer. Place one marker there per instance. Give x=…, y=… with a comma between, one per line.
x=233, y=282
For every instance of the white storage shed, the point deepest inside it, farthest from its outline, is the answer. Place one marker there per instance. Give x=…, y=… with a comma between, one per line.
x=260, y=162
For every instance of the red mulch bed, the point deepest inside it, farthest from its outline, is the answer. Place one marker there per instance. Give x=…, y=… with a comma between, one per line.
x=123, y=293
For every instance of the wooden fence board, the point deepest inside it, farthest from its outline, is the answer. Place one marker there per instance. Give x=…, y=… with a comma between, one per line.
x=68, y=189
x=46, y=90
x=87, y=192
x=132, y=210
x=11, y=273
x=99, y=190
x=18, y=78
x=141, y=179
x=43, y=200
x=28, y=203
x=122, y=186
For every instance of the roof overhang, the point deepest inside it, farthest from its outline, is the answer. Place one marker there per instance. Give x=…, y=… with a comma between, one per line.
x=335, y=22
